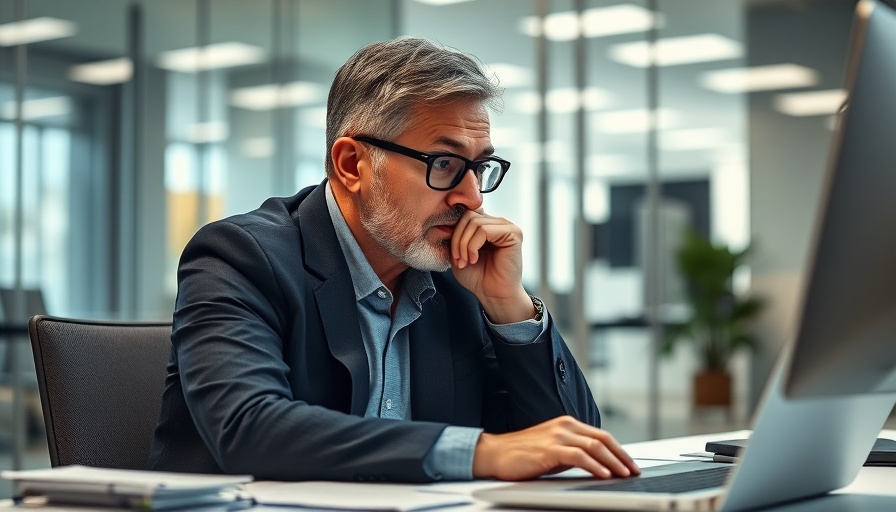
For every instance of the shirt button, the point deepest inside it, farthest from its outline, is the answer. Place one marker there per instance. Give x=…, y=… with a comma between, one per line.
x=381, y=293
x=389, y=404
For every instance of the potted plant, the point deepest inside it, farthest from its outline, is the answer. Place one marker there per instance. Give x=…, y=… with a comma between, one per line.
x=718, y=319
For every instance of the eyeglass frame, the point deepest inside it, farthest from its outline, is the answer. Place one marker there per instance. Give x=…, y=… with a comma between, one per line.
x=430, y=158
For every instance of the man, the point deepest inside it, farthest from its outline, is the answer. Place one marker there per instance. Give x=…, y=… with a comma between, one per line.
x=375, y=327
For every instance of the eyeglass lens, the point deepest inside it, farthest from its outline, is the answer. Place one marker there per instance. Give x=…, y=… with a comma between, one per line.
x=447, y=169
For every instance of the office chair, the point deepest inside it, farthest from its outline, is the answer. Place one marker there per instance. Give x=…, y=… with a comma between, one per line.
x=100, y=386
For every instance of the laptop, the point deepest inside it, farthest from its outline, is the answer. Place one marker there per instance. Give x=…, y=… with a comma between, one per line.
x=834, y=386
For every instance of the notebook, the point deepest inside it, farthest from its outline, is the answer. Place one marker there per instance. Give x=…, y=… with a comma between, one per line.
x=805, y=442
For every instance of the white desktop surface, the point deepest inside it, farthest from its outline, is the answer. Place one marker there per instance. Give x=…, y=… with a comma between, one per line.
x=876, y=481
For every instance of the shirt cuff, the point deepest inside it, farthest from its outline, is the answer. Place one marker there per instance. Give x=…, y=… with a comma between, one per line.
x=451, y=457
x=520, y=333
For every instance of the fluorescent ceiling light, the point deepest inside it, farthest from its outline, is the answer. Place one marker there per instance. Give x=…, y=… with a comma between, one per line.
x=635, y=121
x=812, y=103
x=558, y=26
x=619, y=19
x=563, y=100
x=213, y=56
x=695, y=138
x=41, y=108
x=36, y=30
x=759, y=78
x=595, y=22
x=511, y=75
x=212, y=131
x=272, y=96
x=104, y=72
x=672, y=51
x=442, y=2
x=567, y=100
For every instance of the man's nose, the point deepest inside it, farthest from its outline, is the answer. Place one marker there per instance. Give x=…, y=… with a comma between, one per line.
x=466, y=192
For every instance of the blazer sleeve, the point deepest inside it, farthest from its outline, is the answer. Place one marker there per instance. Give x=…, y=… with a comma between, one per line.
x=231, y=317
x=523, y=384
x=532, y=383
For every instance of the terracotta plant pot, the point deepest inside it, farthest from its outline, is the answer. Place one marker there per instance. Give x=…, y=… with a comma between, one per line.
x=712, y=388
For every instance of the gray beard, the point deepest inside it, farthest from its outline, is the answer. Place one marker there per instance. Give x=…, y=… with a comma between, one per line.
x=394, y=231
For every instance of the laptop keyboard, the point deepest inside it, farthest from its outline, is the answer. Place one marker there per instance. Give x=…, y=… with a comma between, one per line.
x=672, y=483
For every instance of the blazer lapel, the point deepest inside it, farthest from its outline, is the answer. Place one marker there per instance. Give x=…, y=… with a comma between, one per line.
x=335, y=295
x=432, y=371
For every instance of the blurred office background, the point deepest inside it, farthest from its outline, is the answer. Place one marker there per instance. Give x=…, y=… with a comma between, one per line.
x=125, y=125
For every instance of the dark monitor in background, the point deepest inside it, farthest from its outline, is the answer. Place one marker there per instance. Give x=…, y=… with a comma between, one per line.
x=846, y=334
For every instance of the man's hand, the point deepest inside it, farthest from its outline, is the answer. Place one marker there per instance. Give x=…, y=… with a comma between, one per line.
x=487, y=259
x=550, y=447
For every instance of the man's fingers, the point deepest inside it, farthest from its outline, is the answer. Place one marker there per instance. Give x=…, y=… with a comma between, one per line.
x=471, y=234
x=605, y=438
x=601, y=453
x=577, y=457
x=542, y=449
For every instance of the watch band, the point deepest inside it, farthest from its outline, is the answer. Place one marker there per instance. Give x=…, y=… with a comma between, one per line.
x=539, y=308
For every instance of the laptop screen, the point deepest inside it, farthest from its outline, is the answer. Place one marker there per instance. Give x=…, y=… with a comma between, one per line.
x=846, y=337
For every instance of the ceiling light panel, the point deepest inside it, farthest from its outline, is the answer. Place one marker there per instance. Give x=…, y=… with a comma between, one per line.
x=636, y=121
x=673, y=51
x=759, y=78
x=213, y=56
x=272, y=96
x=619, y=19
x=36, y=30
x=511, y=75
x=595, y=22
x=693, y=139
x=811, y=103
x=40, y=108
x=563, y=100
x=104, y=72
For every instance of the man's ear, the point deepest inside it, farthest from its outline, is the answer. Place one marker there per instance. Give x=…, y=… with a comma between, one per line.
x=348, y=162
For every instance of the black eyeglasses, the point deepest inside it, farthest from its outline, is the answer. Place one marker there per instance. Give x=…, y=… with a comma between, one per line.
x=445, y=170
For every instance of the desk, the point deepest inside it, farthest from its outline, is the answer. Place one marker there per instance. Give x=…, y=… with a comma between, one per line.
x=874, y=482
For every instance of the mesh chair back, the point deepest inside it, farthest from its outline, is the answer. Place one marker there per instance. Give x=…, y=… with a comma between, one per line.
x=100, y=387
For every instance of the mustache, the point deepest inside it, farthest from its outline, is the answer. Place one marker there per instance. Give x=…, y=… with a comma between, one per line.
x=446, y=218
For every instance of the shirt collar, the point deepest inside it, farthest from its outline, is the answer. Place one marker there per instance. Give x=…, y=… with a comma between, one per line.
x=417, y=284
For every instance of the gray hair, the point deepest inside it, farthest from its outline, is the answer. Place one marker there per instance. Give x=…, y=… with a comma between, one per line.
x=376, y=90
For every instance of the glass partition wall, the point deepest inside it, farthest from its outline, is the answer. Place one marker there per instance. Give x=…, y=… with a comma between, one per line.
x=125, y=125
x=614, y=155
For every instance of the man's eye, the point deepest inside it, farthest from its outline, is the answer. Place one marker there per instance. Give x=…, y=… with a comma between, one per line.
x=443, y=164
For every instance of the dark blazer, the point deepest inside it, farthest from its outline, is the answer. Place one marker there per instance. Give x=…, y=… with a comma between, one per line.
x=268, y=373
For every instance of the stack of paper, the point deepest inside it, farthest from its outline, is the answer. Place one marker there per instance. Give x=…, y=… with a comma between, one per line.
x=128, y=488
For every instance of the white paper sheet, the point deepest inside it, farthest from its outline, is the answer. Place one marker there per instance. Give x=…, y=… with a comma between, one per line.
x=351, y=496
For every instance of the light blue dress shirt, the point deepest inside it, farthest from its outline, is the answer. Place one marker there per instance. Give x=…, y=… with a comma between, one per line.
x=386, y=342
